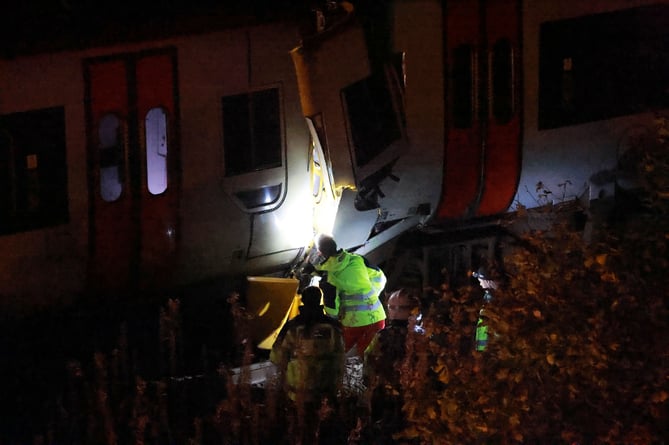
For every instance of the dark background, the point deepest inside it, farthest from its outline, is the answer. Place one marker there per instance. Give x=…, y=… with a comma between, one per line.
x=46, y=25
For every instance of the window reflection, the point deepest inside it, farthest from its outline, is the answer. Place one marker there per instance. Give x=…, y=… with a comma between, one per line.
x=156, y=150
x=463, y=86
x=502, y=81
x=252, y=131
x=111, y=157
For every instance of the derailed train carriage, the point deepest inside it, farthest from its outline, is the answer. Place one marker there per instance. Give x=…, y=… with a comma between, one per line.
x=470, y=109
x=148, y=164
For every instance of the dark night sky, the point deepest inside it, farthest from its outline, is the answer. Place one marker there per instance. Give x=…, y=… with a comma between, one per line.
x=42, y=25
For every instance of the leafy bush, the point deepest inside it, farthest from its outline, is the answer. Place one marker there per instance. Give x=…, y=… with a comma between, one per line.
x=579, y=335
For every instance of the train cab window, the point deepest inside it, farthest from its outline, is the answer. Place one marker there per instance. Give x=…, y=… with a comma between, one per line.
x=602, y=66
x=372, y=117
x=156, y=150
x=112, y=157
x=252, y=131
x=501, y=70
x=463, y=86
x=33, y=170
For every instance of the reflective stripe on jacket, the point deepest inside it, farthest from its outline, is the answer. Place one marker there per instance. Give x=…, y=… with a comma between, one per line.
x=358, y=288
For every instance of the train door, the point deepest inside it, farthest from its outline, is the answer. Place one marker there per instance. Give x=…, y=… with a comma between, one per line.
x=133, y=162
x=502, y=148
x=482, y=157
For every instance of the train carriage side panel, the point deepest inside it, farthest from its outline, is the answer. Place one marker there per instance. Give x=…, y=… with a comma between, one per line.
x=211, y=66
x=246, y=204
x=416, y=44
x=585, y=64
x=287, y=228
x=420, y=168
x=43, y=256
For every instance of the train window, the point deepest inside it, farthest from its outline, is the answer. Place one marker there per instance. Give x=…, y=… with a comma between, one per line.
x=501, y=65
x=317, y=173
x=112, y=157
x=251, y=131
x=156, y=150
x=603, y=65
x=33, y=170
x=463, y=86
x=372, y=118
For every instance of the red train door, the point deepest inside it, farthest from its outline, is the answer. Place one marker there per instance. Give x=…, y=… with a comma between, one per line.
x=462, y=156
x=132, y=134
x=482, y=153
x=502, y=149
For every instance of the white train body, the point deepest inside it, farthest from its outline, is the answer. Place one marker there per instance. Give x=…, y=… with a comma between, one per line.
x=195, y=224
x=145, y=165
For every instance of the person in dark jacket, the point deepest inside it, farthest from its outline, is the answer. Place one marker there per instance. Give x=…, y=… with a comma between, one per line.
x=309, y=355
x=383, y=359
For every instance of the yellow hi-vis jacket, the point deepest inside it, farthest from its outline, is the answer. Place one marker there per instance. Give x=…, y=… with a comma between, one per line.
x=309, y=352
x=358, y=289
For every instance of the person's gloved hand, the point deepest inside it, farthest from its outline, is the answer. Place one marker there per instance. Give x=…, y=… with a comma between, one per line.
x=308, y=268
